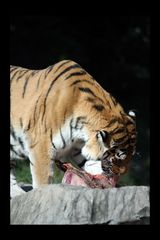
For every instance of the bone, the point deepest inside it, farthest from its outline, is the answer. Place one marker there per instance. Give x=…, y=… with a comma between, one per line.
x=93, y=167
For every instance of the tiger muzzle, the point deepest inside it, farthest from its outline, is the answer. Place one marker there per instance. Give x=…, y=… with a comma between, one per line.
x=112, y=166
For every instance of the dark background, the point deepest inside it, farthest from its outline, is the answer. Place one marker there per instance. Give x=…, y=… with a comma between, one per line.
x=114, y=50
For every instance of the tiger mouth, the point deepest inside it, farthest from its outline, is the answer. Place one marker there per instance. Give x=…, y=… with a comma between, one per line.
x=79, y=177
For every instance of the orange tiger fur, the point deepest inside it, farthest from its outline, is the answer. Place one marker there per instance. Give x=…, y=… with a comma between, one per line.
x=62, y=108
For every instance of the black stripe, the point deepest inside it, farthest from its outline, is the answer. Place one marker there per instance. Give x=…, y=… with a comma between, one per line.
x=33, y=145
x=88, y=90
x=54, y=146
x=62, y=64
x=80, y=81
x=114, y=130
x=25, y=85
x=21, y=155
x=119, y=137
x=12, y=149
x=30, y=162
x=82, y=163
x=109, y=104
x=38, y=82
x=80, y=120
x=113, y=100
x=14, y=74
x=51, y=135
x=28, y=127
x=65, y=114
x=20, y=142
x=34, y=72
x=59, y=164
x=92, y=100
x=113, y=121
x=123, y=139
x=64, y=143
x=117, y=130
x=34, y=114
x=106, y=155
x=71, y=128
x=67, y=69
x=77, y=153
x=51, y=140
x=51, y=85
x=48, y=70
x=21, y=75
x=98, y=107
x=45, y=126
x=13, y=133
x=80, y=73
x=21, y=123
x=12, y=69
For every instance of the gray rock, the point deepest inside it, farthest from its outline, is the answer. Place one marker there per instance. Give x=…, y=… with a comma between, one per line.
x=66, y=204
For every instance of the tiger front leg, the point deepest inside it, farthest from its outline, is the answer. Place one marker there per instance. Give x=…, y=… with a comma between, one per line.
x=41, y=172
x=41, y=165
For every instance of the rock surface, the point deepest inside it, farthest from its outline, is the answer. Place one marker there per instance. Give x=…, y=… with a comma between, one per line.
x=66, y=204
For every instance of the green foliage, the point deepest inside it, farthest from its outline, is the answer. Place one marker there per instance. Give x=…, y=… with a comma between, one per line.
x=58, y=175
x=22, y=172
x=127, y=179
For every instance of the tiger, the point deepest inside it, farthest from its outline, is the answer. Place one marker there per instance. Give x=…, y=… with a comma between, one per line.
x=61, y=112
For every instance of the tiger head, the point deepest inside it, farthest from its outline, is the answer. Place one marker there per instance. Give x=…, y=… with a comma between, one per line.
x=121, y=147
x=116, y=145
